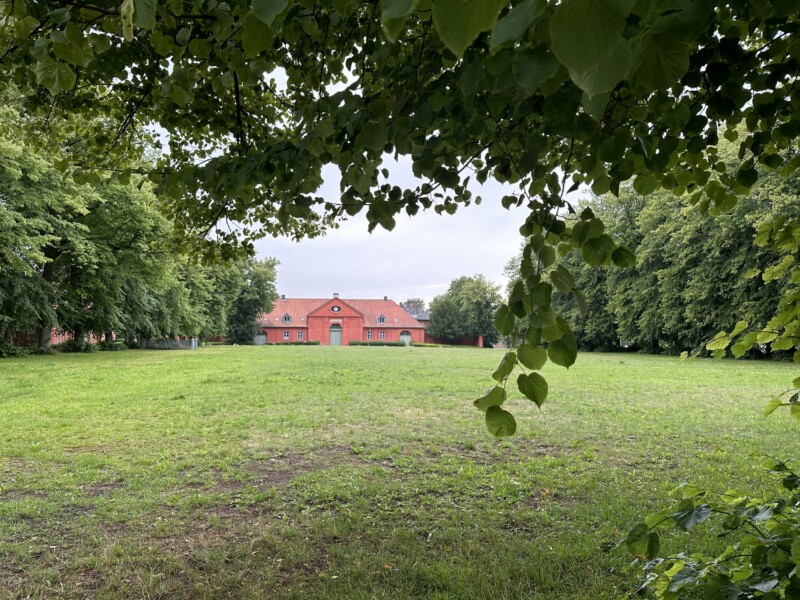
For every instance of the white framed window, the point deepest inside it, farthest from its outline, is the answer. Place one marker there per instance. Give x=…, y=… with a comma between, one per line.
x=286, y=335
x=381, y=319
x=383, y=335
x=369, y=334
x=287, y=318
x=299, y=335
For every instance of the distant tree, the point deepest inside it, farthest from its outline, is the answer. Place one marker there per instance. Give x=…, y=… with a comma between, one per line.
x=256, y=295
x=445, y=319
x=414, y=305
x=466, y=309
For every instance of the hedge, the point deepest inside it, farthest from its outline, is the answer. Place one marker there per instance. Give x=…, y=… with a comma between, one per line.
x=378, y=343
x=298, y=343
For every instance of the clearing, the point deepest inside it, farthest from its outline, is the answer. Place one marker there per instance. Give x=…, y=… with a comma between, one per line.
x=321, y=472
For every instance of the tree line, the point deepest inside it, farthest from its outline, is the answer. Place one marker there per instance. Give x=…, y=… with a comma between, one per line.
x=696, y=273
x=99, y=260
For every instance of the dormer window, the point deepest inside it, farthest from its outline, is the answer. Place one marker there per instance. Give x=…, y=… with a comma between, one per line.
x=287, y=318
x=381, y=319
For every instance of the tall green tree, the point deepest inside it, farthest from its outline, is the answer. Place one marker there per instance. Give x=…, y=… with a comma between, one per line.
x=256, y=295
x=466, y=309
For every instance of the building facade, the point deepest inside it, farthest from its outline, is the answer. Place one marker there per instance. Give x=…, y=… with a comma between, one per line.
x=338, y=321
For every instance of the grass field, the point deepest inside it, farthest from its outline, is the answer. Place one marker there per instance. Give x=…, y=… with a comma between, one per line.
x=294, y=472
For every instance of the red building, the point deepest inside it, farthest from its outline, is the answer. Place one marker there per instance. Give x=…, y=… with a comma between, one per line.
x=336, y=321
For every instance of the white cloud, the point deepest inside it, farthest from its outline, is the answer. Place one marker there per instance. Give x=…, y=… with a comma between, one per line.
x=418, y=258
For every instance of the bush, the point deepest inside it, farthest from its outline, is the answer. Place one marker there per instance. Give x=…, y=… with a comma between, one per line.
x=378, y=343
x=9, y=350
x=110, y=346
x=76, y=346
x=296, y=343
x=760, y=558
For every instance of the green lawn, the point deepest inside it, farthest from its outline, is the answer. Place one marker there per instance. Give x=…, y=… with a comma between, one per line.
x=318, y=472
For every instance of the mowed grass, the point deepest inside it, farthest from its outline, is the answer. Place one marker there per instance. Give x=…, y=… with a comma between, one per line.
x=291, y=472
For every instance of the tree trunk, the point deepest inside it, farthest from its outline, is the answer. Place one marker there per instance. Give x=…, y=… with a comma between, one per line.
x=46, y=332
x=109, y=337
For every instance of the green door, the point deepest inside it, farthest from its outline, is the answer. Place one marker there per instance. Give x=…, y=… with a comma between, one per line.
x=405, y=336
x=336, y=335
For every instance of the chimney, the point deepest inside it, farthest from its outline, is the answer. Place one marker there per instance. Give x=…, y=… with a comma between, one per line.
x=386, y=298
x=335, y=294
x=283, y=297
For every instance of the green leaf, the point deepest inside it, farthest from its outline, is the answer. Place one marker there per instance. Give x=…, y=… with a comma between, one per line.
x=508, y=30
x=393, y=17
x=563, y=351
x=682, y=577
x=267, y=10
x=532, y=357
x=664, y=61
x=533, y=386
x=796, y=383
x=162, y=44
x=623, y=257
x=720, y=587
x=688, y=515
x=772, y=406
x=585, y=32
x=144, y=13
x=499, y=422
x=605, y=75
x=459, y=22
x=597, y=250
x=547, y=256
x=504, y=321
x=494, y=397
x=562, y=279
x=55, y=76
x=739, y=328
x=645, y=184
x=638, y=539
x=531, y=68
x=747, y=177
x=720, y=342
x=506, y=366
x=257, y=36
x=541, y=295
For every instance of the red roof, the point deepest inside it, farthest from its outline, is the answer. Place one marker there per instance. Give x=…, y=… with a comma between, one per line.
x=300, y=308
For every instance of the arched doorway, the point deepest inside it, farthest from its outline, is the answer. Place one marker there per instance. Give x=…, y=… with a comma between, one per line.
x=336, y=335
x=405, y=336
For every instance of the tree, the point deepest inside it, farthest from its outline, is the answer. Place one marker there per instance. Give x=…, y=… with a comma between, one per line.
x=546, y=96
x=256, y=295
x=414, y=306
x=445, y=319
x=465, y=310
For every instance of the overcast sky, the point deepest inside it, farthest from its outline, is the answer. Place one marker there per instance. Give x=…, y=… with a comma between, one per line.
x=418, y=258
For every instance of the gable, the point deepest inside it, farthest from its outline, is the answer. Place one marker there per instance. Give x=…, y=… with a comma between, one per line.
x=336, y=307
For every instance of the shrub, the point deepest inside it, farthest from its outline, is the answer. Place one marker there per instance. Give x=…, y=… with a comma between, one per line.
x=295, y=343
x=76, y=346
x=374, y=343
x=9, y=350
x=110, y=346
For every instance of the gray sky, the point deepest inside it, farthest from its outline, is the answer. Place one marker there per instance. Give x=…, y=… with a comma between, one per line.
x=418, y=258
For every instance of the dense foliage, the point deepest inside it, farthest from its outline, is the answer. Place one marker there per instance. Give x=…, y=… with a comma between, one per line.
x=465, y=310
x=694, y=274
x=98, y=259
x=256, y=295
